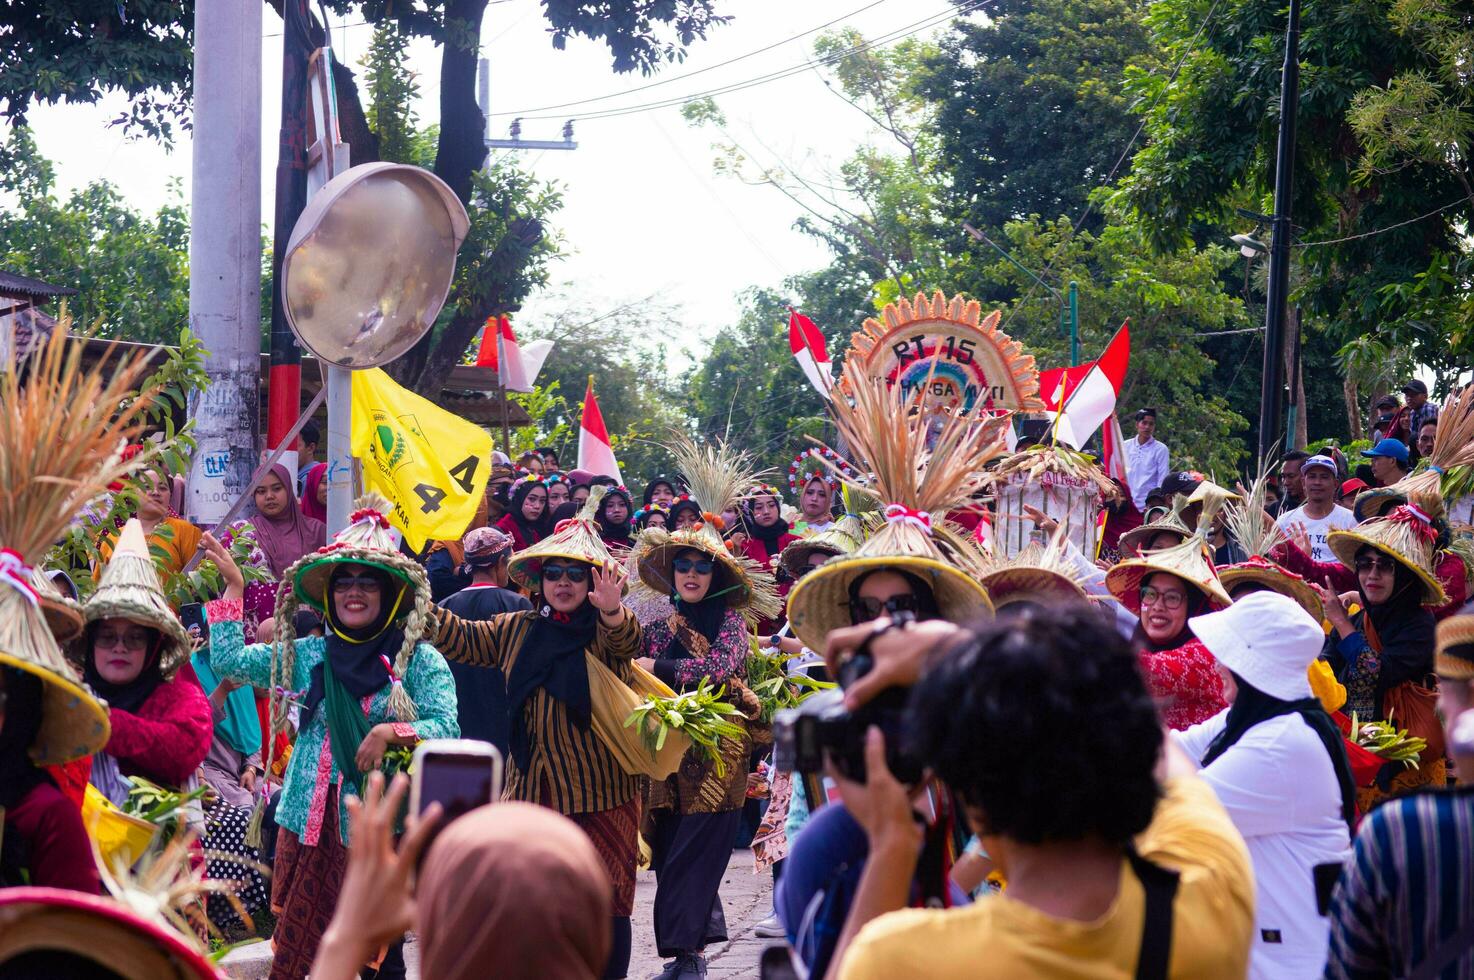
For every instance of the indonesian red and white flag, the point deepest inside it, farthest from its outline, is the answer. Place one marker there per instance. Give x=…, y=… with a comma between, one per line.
x=516, y=366
x=595, y=454
x=1093, y=400
x=1113, y=451
x=807, y=343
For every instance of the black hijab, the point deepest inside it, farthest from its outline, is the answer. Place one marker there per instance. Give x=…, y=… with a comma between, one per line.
x=552, y=658
x=532, y=531
x=1252, y=706
x=615, y=533
x=705, y=616
x=679, y=505
x=1405, y=631
x=128, y=697
x=23, y=714
x=672, y=482
x=356, y=656
x=771, y=534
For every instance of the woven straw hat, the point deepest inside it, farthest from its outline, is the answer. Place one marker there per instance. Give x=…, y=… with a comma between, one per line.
x=129, y=588
x=1453, y=658
x=63, y=615
x=1132, y=541
x=751, y=586
x=1406, y=535
x=1206, y=502
x=366, y=540
x=1188, y=561
x=920, y=464
x=576, y=539
x=106, y=930
x=1039, y=573
x=844, y=537
x=1260, y=570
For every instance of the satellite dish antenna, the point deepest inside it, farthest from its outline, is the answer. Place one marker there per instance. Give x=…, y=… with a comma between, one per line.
x=370, y=262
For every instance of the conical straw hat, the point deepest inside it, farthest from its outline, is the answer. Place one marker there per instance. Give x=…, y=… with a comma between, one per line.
x=129, y=589
x=63, y=615
x=1039, y=573
x=718, y=473
x=576, y=539
x=1205, y=503
x=368, y=539
x=1188, y=561
x=1407, y=536
x=920, y=465
x=1132, y=541
x=1247, y=524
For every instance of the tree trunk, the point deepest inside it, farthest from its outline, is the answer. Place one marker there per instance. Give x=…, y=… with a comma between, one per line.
x=1353, y=409
x=462, y=149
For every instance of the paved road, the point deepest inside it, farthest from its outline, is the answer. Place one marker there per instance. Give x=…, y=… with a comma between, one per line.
x=746, y=899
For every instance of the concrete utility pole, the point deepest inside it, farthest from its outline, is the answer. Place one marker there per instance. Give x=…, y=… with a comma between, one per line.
x=225, y=251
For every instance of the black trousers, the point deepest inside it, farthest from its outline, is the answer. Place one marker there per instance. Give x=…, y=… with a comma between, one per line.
x=689, y=854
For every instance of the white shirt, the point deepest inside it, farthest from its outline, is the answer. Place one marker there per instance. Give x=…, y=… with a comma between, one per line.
x=1146, y=468
x=1339, y=519
x=1280, y=789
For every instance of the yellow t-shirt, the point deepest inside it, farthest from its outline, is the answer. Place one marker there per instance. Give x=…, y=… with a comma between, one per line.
x=1212, y=925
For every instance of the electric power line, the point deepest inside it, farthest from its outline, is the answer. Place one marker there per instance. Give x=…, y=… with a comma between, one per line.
x=1378, y=231
x=691, y=74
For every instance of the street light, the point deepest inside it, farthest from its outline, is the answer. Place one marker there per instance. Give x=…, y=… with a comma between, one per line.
x=1249, y=246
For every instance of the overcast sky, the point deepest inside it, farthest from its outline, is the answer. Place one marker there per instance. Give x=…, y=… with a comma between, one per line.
x=644, y=213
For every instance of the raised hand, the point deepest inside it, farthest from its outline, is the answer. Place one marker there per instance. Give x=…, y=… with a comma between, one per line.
x=608, y=588
x=235, y=582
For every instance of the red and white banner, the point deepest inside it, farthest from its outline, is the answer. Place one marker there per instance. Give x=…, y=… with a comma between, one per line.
x=516, y=366
x=1113, y=452
x=807, y=343
x=1093, y=400
x=595, y=454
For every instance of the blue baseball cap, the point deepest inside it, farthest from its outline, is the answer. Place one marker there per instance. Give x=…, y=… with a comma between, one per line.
x=1391, y=448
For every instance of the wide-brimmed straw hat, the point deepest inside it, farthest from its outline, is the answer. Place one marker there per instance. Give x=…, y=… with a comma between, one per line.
x=1453, y=657
x=129, y=588
x=1188, y=561
x=99, y=929
x=368, y=539
x=845, y=536
x=63, y=613
x=1206, y=502
x=1406, y=535
x=576, y=539
x=1038, y=573
x=1171, y=522
x=1262, y=571
x=750, y=586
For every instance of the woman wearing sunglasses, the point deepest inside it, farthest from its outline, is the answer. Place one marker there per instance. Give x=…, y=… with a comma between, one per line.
x=697, y=811
x=1165, y=589
x=557, y=758
x=1384, y=650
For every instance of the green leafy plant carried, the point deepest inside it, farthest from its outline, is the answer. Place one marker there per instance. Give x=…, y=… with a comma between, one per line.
x=701, y=715
x=164, y=808
x=1385, y=739
x=776, y=689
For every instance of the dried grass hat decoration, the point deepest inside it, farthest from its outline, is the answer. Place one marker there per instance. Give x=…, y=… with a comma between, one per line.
x=717, y=475
x=1246, y=523
x=366, y=540
x=847, y=534
x=1042, y=574
x=61, y=445
x=1171, y=523
x=1447, y=465
x=1407, y=535
x=1188, y=561
x=922, y=465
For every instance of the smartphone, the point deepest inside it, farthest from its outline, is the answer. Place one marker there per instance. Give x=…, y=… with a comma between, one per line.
x=192, y=615
x=460, y=774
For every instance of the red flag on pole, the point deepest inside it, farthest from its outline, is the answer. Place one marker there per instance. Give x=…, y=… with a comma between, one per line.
x=1093, y=400
x=807, y=343
x=595, y=454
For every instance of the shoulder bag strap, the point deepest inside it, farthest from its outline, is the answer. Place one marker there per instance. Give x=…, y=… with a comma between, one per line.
x=1160, y=885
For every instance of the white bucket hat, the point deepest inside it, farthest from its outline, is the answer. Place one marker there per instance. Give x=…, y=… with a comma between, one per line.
x=1265, y=638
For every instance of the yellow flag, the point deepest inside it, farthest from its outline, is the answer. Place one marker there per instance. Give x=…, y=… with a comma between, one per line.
x=432, y=465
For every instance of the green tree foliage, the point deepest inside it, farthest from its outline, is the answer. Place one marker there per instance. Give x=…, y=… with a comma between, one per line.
x=1029, y=103
x=130, y=270
x=392, y=92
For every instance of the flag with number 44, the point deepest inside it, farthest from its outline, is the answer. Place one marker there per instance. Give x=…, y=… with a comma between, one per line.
x=432, y=465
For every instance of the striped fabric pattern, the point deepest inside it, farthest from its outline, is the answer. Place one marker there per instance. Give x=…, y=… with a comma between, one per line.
x=1408, y=887
x=571, y=767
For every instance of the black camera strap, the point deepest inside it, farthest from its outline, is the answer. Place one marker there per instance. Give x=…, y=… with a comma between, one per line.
x=1160, y=886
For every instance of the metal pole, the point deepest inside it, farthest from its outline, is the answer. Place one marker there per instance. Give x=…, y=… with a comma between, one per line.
x=1270, y=405
x=1074, y=323
x=225, y=252
x=284, y=393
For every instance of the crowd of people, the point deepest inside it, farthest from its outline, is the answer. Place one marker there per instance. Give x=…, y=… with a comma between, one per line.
x=1134, y=745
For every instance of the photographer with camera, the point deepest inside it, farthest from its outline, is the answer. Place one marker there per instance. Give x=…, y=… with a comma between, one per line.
x=1119, y=861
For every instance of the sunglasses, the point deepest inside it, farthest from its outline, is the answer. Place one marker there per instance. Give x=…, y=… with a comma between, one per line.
x=1169, y=600
x=135, y=640
x=865, y=608
x=364, y=583
x=555, y=573
x=1376, y=565
x=701, y=566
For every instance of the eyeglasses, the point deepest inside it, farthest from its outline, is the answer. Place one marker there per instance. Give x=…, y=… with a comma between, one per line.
x=135, y=640
x=1369, y=564
x=866, y=608
x=364, y=583
x=1169, y=600
x=555, y=573
x=701, y=566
